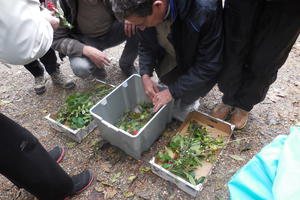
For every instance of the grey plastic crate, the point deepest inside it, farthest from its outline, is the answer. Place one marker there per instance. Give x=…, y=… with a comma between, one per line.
x=215, y=127
x=123, y=99
x=76, y=135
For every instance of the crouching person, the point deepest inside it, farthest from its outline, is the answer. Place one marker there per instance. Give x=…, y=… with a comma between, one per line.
x=95, y=29
x=182, y=42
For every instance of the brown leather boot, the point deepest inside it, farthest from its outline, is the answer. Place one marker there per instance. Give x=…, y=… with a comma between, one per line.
x=221, y=111
x=239, y=118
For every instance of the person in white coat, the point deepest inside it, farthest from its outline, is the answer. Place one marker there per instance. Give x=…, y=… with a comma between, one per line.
x=25, y=35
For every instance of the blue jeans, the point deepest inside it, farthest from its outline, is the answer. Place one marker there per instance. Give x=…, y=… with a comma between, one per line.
x=83, y=67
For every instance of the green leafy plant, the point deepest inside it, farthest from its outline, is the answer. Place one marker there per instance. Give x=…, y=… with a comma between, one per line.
x=185, y=153
x=132, y=121
x=75, y=112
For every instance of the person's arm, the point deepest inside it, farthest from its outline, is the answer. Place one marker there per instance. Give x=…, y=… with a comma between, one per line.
x=147, y=51
x=147, y=60
x=62, y=42
x=201, y=76
x=25, y=35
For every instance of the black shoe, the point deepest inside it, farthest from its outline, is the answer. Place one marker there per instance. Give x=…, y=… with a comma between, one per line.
x=128, y=71
x=81, y=182
x=99, y=73
x=57, y=153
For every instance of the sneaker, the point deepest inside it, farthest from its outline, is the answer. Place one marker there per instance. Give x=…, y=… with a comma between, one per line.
x=81, y=182
x=57, y=153
x=99, y=73
x=180, y=112
x=239, y=118
x=221, y=111
x=128, y=71
x=39, y=86
x=59, y=78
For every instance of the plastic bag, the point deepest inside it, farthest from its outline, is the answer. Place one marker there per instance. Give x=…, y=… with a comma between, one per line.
x=272, y=174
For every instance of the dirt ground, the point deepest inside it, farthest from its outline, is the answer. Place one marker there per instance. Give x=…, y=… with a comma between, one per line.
x=111, y=167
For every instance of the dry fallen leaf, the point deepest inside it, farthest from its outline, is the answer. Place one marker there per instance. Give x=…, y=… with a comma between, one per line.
x=131, y=178
x=236, y=157
x=144, y=169
x=110, y=193
x=106, y=167
x=71, y=144
x=115, y=177
x=128, y=194
x=99, y=188
x=106, y=183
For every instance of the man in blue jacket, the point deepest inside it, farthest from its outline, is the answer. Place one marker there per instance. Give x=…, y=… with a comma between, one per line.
x=181, y=41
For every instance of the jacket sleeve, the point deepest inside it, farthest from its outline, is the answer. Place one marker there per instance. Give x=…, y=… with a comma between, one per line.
x=146, y=51
x=23, y=39
x=62, y=42
x=201, y=76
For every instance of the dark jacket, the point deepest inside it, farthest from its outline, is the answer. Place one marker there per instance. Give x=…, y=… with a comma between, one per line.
x=64, y=40
x=197, y=37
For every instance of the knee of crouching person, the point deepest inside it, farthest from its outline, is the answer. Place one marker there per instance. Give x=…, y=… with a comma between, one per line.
x=81, y=67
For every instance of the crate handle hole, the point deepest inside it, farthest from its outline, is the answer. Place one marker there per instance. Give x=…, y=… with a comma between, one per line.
x=125, y=84
x=104, y=102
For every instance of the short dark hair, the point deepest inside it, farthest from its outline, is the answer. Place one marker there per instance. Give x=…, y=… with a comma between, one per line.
x=127, y=8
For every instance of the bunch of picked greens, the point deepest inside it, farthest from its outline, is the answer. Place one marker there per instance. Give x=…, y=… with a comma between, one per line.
x=101, y=90
x=185, y=153
x=75, y=113
x=59, y=14
x=132, y=121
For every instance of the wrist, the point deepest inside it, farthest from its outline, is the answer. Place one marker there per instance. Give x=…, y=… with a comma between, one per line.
x=85, y=51
x=145, y=77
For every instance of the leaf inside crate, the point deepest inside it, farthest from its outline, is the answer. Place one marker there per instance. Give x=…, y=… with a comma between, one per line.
x=133, y=121
x=75, y=111
x=186, y=152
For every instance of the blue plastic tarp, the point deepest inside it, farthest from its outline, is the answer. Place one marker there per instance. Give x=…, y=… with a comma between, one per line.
x=272, y=174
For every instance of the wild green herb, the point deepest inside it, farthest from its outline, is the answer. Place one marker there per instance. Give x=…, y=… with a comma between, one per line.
x=185, y=153
x=75, y=112
x=132, y=121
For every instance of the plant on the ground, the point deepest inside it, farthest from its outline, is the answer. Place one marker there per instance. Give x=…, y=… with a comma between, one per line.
x=75, y=112
x=133, y=121
x=186, y=152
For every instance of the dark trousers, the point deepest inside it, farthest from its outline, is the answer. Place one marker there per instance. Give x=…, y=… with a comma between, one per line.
x=28, y=165
x=49, y=60
x=114, y=37
x=259, y=35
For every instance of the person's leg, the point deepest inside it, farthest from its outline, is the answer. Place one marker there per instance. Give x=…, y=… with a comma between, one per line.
x=84, y=68
x=28, y=164
x=276, y=32
x=116, y=36
x=36, y=69
x=52, y=67
x=239, y=21
x=49, y=60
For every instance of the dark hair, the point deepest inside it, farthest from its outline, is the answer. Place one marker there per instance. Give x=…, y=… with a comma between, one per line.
x=127, y=8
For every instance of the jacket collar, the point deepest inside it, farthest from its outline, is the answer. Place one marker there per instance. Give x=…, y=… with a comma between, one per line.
x=179, y=8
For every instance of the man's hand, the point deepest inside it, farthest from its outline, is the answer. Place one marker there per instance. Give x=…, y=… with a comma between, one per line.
x=52, y=20
x=150, y=88
x=96, y=56
x=161, y=98
x=129, y=28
